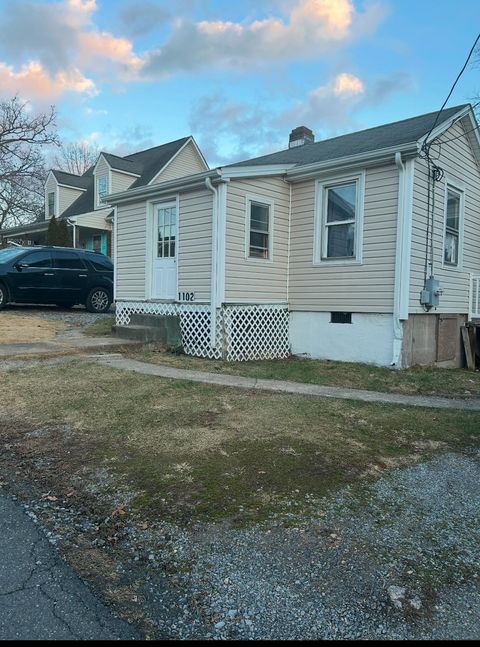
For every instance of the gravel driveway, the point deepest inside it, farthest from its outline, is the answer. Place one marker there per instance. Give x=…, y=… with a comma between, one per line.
x=76, y=318
x=397, y=558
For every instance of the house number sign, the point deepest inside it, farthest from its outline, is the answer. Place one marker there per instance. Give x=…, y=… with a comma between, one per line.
x=186, y=296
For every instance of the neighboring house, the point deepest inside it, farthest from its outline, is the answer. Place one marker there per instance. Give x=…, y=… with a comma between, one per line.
x=322, y=250
x=80, y=200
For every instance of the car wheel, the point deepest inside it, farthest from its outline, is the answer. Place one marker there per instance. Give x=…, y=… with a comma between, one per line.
x=98, y=300
x=3, y=296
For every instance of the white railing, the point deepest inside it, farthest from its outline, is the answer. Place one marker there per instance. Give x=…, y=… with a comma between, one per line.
x=474, y=312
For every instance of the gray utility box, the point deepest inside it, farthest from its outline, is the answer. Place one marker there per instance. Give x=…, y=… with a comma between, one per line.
x=430, y=295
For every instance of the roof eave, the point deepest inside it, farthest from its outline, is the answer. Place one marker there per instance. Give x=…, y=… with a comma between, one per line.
x=160, y=188
x=371, y=158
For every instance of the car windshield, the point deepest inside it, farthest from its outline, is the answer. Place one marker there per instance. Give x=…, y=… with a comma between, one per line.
x=10, y=253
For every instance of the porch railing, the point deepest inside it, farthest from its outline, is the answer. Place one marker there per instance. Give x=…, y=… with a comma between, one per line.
x=474, y=297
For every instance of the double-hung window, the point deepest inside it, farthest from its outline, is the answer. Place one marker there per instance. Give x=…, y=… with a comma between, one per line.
x=259, y=242
x=101, y=189
x=453, y=221
x=339, y=218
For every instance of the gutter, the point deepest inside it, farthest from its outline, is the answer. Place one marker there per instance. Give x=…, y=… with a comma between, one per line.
x=363, y=160
x=402, y=254
x=188, y=182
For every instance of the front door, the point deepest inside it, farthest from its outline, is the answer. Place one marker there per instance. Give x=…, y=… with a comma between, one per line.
x=164, y=280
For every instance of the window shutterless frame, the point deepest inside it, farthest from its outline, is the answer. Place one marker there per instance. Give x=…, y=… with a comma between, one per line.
x=259, y=222
x=102, y=189
x=329, y=191
x=452, y=251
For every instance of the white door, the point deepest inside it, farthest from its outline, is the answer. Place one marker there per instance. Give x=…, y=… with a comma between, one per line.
x=165, y=251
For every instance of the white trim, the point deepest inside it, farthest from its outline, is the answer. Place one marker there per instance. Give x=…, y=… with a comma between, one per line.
x=189, y=182
x=289, y=237
x=115, y=252
x=256, y=171
x=165, y=166
x=350, y=163
x=213, y=271
x=69, y=186
x=117, y=170
x=319, y=224
x=151, y=237
x=459, y=189
x=445, y=125
x=221, y=234
x=263, y=200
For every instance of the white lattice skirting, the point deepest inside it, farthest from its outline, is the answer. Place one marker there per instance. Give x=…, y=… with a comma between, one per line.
x=242, y=332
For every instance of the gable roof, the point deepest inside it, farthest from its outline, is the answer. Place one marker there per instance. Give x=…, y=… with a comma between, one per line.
x=77, y=181
x=146, y=164
x=363, y=141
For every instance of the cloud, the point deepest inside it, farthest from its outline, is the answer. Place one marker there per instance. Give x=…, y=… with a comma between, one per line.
x=230, y=131
x=311, y=29
x=34, y=81
x=60, y=44
x=142, y=18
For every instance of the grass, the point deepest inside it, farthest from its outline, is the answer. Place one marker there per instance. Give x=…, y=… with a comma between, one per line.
x=18, y=329
x=100, y=328
x=414, y=381
x=194, y=451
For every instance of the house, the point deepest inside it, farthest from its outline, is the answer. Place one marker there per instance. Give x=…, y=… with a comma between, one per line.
x=80, y=199
x=357, y=248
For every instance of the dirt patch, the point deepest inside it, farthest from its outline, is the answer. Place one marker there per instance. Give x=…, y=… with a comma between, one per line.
x=18, y=329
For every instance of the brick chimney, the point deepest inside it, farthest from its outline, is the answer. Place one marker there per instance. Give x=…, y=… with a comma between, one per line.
x=300, y=137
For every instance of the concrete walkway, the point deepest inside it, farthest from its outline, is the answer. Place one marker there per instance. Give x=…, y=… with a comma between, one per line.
x=66, y=344
x=298, y=388
x=41, y=598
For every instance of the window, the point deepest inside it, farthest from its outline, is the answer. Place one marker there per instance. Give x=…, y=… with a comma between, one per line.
x=339, y=216
x=67, y=261
x=51, y=204
x=97, y=244
x=259, y=237
x=101, y=263
x=167, y=226
x=101, y=189
x=37, y=259
x=452, y=227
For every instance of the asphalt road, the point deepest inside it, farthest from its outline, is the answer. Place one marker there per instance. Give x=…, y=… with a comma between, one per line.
x=41, y=598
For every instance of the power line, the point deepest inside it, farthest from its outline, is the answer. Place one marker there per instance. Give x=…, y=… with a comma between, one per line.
x=452, y=89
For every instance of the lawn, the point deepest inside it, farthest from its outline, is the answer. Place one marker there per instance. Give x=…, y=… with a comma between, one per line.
x=100, y=328
x=415, y=381
x=18, y=329
x=193, y=451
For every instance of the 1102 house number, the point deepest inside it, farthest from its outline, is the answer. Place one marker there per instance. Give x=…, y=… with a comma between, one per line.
x=186, y=296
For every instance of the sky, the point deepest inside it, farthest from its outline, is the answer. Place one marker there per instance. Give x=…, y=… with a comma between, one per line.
x=238, y=75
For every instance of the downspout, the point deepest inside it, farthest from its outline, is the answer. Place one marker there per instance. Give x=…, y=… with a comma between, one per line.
x=74, y=232
x=402, y=257
x=213, y=283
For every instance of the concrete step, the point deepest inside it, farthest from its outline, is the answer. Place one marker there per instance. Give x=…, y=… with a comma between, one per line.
x=145, y=334
x=152, y=321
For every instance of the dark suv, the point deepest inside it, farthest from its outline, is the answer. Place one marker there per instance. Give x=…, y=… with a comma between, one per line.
x=56, y=275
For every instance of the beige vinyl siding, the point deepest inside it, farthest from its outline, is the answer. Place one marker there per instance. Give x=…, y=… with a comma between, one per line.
x=131, y=251
x=66, y=197
x=121, y=182
x=352, y=288
x=51, y=186
x=187, y=162
x=458, y=162
x=194, y=261
x=94, y=220
x=102, y=169
x=248, y=280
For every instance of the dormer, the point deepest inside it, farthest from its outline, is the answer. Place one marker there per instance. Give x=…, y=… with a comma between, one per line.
x=112, y=174
x=61, y=191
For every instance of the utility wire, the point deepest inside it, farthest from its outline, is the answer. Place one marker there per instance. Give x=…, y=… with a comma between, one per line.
x=452, y=89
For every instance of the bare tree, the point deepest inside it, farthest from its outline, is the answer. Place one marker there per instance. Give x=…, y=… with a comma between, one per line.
x=76, y=157
x=23, y=138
